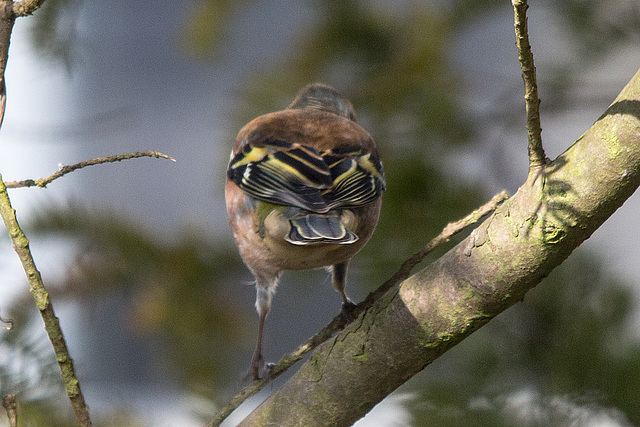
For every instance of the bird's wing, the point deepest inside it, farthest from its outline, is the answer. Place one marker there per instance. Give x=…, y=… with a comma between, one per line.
x=357, y=177
x=282, y=173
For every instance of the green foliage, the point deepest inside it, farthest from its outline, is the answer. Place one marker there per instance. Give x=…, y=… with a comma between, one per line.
x=28, y=368
x=394, y=71
x=599, y=25
x=206, y=25
x=425, y=200
x=176, y=292
x=54, y=33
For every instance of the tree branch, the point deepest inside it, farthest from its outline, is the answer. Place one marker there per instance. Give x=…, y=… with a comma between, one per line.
x=26, y=7
x=338, y=323
x=43, y=302
x=7, y=19
x=21, y=243
x=492, y=269
x=43, y=182
x=532, y=102
x=8, y=12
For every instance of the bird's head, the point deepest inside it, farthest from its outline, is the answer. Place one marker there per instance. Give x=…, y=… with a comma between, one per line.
x=318, y=96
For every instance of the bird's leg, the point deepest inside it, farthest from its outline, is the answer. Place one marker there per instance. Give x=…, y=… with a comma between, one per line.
x=258, y=365
x=339, y=279
x=264, y=292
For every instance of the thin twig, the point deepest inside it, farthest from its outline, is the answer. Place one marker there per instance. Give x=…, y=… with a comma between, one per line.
x=9, y=404
x=43, y=182
x=445, y=235
x=338, y=323
x=525, y=56
x=43, y=302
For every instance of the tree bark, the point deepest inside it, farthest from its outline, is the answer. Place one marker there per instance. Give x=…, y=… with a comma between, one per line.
x=559, y=206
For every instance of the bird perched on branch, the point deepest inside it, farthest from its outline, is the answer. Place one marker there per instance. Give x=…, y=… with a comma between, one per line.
x=303, y=191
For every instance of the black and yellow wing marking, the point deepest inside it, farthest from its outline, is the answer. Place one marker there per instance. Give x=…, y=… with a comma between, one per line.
x=297, y=175
x=282, y=173
x=357, y=178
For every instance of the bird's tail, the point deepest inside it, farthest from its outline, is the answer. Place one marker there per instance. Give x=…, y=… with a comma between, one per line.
x=313, y=228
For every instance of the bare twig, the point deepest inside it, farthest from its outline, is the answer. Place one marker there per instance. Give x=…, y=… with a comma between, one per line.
x=537, y=156
x=445, y=235
x=9, y=404
x=339, y=322
x=43, y=182
x=43, y=302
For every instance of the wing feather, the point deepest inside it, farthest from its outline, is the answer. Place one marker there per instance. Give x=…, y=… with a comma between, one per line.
x=282, y=173
x=297, y=175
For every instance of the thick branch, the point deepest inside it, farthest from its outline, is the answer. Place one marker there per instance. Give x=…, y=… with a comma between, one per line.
x=525, y=56
x=339, y=322
x=43, y=302
x=436, y=308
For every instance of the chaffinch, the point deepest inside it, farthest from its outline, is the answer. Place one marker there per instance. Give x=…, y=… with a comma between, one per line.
x=303, y=191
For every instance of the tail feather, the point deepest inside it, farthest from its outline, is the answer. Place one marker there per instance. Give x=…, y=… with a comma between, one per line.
x=318, y=228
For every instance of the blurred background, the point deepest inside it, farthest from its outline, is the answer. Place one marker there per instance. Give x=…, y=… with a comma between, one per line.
x=152, y=295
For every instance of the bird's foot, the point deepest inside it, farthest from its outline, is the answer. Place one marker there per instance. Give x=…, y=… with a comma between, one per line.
x=348, y=311
x=259, y=368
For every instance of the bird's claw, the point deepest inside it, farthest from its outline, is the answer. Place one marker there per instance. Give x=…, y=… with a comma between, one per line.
x=348, y=311
x=259, y=368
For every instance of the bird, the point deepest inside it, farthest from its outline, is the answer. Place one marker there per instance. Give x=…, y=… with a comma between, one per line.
x=303, y=191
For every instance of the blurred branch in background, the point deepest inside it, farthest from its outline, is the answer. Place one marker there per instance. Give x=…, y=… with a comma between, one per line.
x=54, y=32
